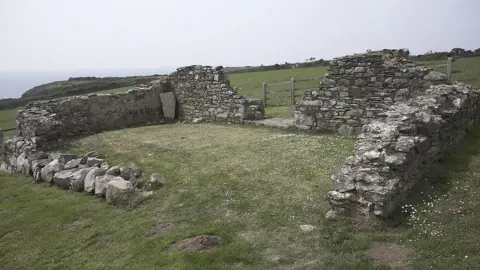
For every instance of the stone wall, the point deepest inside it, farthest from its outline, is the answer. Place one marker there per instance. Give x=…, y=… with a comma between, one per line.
x=393, y=152
x=79, y=115
x=359, y=87
x=123, y=186
x=205, y=92
x=189, y=93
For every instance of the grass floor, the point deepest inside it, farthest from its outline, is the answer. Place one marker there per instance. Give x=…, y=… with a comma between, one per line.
x=253, y=187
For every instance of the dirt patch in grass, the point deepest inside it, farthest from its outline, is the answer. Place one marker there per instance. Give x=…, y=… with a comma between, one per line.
x=196, y=244
x=160, y=229
x=390, y=254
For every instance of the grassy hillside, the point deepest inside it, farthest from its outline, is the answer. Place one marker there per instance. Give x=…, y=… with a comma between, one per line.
x=74, y=86
x=256, y=203
x=250, y=83
x=7, y=120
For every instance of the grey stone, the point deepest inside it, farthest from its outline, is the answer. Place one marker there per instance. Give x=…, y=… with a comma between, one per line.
x=72, y=164
x=94, y=162
x=130, y=171
x=89, y=183
x=48, y=172
x=435, y=76
x=77, y=182
x=359, y=69
x=93, y=154
x=115, y=171
x=64, y=158
x=37, y=155
x=62, y=178
x=37, y=166
x=168, y=104
x=101, y=184
x=119, y=192
x=197, y=120
x=156, y=181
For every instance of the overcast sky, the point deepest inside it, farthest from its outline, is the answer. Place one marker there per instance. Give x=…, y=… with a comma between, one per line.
x=41, y=35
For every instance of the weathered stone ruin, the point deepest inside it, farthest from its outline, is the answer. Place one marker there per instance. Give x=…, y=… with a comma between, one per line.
x=205, y=93
x=358, y=88
x=189, y=93
x=406, y=117
x=393, y=153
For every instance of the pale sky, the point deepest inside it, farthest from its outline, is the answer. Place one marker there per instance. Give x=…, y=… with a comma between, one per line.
x=47, y=35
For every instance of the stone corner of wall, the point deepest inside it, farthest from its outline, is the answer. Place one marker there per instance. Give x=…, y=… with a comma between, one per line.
x=392, y=154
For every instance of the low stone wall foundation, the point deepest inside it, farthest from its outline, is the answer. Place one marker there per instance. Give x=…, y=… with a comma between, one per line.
x=393, y=153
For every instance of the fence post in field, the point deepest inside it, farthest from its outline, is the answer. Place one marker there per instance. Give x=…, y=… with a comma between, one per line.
x=264, y=94
x=449, y=68
x=1, y=141
x=292, y=90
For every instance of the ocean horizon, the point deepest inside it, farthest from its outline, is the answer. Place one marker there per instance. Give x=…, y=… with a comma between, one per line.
x=14, y=83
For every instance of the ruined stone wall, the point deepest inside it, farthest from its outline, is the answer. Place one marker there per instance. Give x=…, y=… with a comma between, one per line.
x=72, y=116
x=393, y=153
x=205, y=92
x=358, y=88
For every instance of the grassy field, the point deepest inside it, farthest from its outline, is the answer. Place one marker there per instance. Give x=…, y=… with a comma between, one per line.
x=7, y=120
x=250, y=83
x=254, y=188
x=472, y=78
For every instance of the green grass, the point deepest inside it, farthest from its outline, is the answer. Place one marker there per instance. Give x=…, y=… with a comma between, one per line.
x=251, y=186
x=115, y=90
x=245, y=81
x=457, y=67
x=7, y=120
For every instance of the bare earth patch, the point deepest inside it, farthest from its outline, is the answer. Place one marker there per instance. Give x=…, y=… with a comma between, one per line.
x=390, y=254
x=196, y=244
x=160, y=229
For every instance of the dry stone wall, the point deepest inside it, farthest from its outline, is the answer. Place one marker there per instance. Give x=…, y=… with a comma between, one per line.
x=79, y=115
x=359, y=87
x=205, y=93
x=393, y=152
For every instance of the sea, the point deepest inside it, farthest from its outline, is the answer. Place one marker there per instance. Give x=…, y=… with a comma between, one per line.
x=14, y=83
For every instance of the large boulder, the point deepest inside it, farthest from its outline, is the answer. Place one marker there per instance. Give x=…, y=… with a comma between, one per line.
x=156, y=181
x=121, y=193
x=94, y=162
x=63, y=178
x=89, y=183
x=48, y=172
x=77, y=179
x=115, y=171
x=74, y=163
x=4, y=168
x=101, y=184
x=63, y=158
x=23, y=165
x=130, y=171
x=37, y=166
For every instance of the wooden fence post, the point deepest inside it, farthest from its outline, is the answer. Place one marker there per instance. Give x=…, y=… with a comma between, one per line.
x=292, y=90
x=264, y=94
x=1, y=141
x=449, y=68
